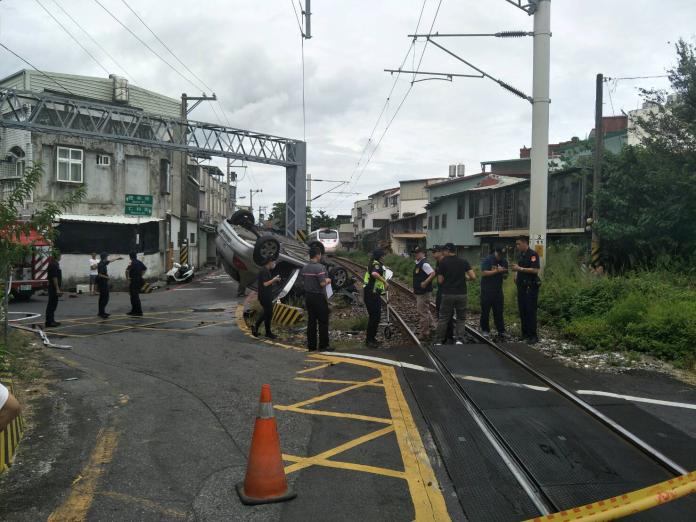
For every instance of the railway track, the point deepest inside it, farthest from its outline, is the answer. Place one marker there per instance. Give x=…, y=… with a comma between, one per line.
x=402, y=301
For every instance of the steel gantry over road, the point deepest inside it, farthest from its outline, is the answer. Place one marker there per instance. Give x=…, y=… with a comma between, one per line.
x=64, y=115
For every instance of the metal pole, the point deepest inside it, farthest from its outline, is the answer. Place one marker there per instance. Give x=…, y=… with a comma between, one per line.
x=308, y=19
x=309, y=203
x=597, y=175
x=540, y=129
x=184, y=158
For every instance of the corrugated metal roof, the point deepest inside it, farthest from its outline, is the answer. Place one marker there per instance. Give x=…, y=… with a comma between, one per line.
x=114, y=220
x=503, y=181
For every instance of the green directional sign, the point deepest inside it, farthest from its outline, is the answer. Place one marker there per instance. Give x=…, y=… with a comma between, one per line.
x=138, y=199
x=138, y=210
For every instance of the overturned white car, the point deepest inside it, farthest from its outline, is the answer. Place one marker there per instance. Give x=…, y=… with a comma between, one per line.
x=244, y=248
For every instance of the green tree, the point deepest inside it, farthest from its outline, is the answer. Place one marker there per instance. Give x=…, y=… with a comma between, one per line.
x=645, y=204
x=323, y=220
x=13, y=225
x=277, y=215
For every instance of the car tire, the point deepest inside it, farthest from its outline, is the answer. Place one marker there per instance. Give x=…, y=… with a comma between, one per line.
x=319, y=245
x=339, y=277
x=266, y=249
x=243, y=218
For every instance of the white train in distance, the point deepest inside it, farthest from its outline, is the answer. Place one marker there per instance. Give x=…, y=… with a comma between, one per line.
x=327, y=237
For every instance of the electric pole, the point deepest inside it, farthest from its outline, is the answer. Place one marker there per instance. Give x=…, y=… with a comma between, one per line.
x=540, y=129
x=597, y=174
x=309, y=203
x=251, y=198
x=183, y=208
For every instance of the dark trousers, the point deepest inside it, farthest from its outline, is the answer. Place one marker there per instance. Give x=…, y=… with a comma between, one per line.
x=266, y=317
x=492, y=300
x=103, y=298
x=51, y=306
x=452, y=304
x=373, y=303
x=317, y=315
x=134, y=291
x=450, y=324
x=527, y=297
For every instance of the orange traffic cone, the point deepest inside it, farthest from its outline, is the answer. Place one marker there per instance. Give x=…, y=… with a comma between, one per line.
x=265, y=480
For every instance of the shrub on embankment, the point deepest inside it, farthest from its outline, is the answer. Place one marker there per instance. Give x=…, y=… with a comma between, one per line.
x=646, y=311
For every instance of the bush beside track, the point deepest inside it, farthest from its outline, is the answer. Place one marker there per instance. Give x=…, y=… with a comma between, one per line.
x=651, y=312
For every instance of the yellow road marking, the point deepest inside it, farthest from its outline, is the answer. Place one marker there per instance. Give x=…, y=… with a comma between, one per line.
x=334, y=393
x=338, y=449
x=375, y=470
x=428, y=501
x=146, y=503
x=314, y=368
x=241, y=324
x=338, y=381
x=338, y=414
x=76, y=506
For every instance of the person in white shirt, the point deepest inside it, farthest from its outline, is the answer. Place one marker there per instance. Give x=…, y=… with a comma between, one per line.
x=93, y=274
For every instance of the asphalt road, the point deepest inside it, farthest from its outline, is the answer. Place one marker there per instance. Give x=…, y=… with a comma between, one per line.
x=151, y=419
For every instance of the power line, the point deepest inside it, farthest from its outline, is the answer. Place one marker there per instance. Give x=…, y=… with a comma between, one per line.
x=94, y=41
x=146, y=45
x=386, y=102
x=638, y=77
x=49, y=13
x=36, y=69
x=403, y=100
x=166, y=46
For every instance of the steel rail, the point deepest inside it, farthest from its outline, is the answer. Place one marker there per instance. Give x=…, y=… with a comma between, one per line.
x=625, y=434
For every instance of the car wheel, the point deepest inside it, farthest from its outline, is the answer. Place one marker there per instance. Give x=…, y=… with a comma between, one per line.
x=339, y=277
x=319, y=245
x=266, y=249
x=243, y=218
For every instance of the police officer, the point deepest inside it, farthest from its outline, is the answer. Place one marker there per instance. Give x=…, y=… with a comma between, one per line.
x=54, y=275
x=374, y=285
x=527, y=280
x=438, y=254
x=493, y=269
x=423, y=275
x=135, y=273
x=315, y=281
x=103, y=283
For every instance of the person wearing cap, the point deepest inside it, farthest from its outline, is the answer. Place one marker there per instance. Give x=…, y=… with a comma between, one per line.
x=493, y=269
x=438, y=254
x=374, y=285
x=452, y=275
x=423, y=275
x=103, y=283
x=134, y=273
x=527, y=281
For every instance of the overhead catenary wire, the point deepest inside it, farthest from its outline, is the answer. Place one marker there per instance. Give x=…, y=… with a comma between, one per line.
x=43, y=73
x=112, y=15
x=411, y=49
x=403, y=100
x=94, y=41
x=72, y=36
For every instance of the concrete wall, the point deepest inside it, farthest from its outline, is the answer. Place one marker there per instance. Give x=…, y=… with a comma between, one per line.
x=414, y=206
x=75, y=268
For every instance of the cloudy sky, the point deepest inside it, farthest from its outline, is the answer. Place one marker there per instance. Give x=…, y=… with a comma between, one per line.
x=249, y=52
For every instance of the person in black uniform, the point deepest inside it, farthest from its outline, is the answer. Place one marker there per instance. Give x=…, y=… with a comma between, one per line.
x=438, y=254
x=55, y=276
x=493, y=269
x=103, y=283
x=527, y=280
x=374, y=285
x=134, y=273
x=265, y=282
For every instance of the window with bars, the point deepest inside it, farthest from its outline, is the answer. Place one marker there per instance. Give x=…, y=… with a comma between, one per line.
x=444, y=221
x=69, y=165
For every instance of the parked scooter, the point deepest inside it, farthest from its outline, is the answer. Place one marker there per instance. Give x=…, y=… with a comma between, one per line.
x=180, y=273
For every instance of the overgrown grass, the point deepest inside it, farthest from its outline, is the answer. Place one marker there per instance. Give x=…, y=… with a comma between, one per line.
x=643, y=311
